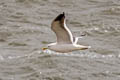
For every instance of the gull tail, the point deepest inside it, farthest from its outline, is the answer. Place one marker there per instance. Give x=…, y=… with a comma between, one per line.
x=85, y=47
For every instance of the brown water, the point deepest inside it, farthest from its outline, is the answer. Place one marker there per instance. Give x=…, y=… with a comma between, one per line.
x=25, y=29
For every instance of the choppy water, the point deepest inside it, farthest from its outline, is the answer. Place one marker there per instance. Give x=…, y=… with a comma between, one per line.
x=25, y=29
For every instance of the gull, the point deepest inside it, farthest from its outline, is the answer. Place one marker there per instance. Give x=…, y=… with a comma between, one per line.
x=65, y=40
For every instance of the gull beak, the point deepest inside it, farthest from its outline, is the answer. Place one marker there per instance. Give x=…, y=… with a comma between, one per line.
x=44, y=48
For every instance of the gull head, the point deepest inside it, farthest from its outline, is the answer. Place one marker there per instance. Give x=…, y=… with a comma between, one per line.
x=48, y=46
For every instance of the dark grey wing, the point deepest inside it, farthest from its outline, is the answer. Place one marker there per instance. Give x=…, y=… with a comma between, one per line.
x=63, y=34
x=74, y=39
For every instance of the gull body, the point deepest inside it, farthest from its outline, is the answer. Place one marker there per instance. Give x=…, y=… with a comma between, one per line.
x=64, y=48
x=65, y=40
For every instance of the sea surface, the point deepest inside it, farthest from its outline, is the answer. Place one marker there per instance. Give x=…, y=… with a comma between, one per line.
x=25, y=27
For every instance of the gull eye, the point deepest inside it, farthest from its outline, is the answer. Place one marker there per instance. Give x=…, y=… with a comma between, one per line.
x=48, y=46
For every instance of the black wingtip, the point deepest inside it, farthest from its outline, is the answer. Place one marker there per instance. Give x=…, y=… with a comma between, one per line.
x=64, y=13
x=60, y=16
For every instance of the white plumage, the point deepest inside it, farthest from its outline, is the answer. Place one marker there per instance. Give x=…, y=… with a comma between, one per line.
x=65, y=40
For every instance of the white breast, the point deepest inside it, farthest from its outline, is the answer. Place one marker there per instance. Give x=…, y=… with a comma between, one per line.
x=63, y=48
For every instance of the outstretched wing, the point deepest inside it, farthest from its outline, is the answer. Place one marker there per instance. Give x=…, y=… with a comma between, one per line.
x=63, y=34
x=75, y=39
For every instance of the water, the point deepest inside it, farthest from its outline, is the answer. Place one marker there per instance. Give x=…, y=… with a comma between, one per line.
x=25, y=29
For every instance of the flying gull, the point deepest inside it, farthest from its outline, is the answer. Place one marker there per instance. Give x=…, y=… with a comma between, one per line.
x=65, y=40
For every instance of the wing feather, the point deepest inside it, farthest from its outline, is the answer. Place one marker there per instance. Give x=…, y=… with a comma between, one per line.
x=63, y=34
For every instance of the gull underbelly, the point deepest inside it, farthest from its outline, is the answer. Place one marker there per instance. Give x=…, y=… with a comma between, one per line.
x=63, y=48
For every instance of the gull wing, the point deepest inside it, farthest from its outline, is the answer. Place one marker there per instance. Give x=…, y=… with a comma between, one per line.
x=75, y=39
x=63, y=34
